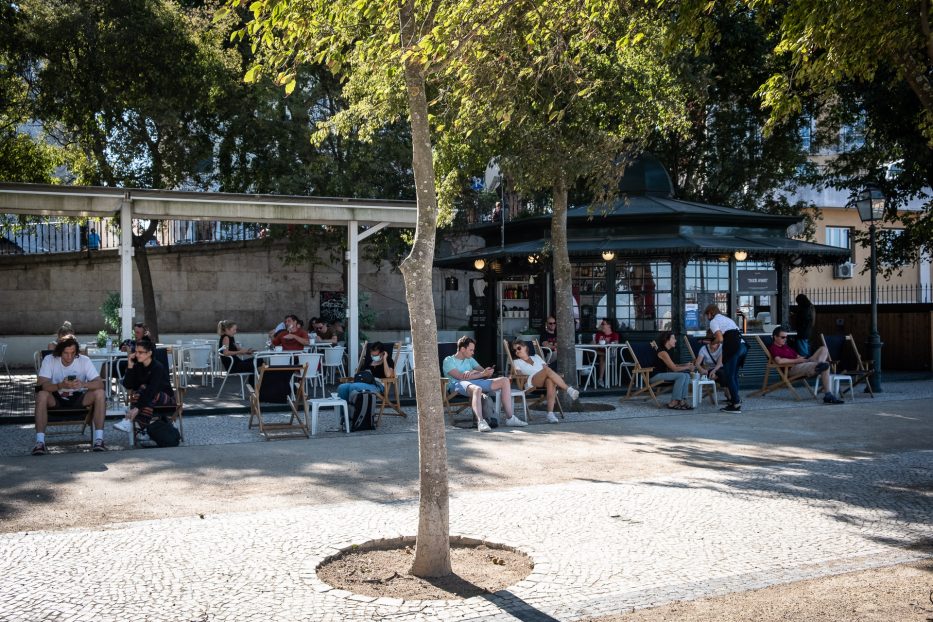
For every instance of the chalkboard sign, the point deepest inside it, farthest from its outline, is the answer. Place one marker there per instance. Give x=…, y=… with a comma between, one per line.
x=333, y=306
x=536, y=307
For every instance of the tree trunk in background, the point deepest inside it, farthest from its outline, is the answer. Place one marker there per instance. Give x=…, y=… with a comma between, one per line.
x=432, y=550
x=563, y=288
x=141, y=259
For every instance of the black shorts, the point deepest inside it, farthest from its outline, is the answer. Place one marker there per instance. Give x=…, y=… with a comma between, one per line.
x=75, y=400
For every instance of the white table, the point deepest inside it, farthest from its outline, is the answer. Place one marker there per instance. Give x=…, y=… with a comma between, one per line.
x=329, y=402
x=111, y=356
x=610, y=353
x=697, y=383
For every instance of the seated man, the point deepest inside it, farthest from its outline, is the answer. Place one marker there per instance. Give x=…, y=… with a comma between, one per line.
x=379, y=363
x=470, y=379
x=323, y=333
x=548, y=337
x=67, y=378
x=140, y=332
x=816, y=363
x=294, y=337
x=337, y=328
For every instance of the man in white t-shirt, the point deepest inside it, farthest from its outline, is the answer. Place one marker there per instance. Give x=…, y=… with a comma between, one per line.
x=67, y=378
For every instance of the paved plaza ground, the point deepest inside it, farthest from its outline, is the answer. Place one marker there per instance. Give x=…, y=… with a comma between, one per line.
x=622, y=510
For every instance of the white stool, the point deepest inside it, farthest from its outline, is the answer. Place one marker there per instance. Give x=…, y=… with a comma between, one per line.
x=329, y=402
x=516, y=395
x=835, y=383
x=697, y=385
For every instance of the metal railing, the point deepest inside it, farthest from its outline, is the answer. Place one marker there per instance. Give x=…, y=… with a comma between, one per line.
x=887, y=294
x=54, y=236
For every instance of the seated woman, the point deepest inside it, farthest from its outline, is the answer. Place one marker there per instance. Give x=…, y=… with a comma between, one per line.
x=149, y=385
x=666, y=369
x=709, y=359
x=378, y=362
x=140, y=333
x=230, y=353
x=65, y=331
x=540, y=376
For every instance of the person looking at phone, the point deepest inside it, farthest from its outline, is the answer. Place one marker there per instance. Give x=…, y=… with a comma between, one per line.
x=470, y=379
x=149, y=385
x=68, y=379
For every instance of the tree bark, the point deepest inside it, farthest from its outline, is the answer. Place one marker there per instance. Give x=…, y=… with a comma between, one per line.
x=432, y=550
x=563, y=287
x=141, y=259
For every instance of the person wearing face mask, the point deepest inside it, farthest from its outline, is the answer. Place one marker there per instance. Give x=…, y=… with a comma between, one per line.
x=377, y=362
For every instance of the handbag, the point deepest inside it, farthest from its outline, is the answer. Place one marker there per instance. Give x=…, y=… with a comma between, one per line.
x=163, y=432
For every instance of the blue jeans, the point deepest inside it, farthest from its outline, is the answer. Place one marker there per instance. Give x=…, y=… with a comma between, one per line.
x=679, y=378
x=803, y=347
x=343, y=391
x=728, y=374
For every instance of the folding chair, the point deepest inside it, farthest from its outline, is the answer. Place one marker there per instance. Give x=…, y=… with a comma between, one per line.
x=519, y=381
x=784, y=376
x=641, y=381
x=279, y=384
x=173, y=412
x=848, y=361
x=390, y=389
x=59, y=417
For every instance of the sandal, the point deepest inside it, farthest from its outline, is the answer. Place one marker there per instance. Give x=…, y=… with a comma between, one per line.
x=673, y=406
x=683, y=406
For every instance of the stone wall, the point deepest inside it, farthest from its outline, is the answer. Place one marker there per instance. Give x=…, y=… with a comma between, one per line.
x=197, y=285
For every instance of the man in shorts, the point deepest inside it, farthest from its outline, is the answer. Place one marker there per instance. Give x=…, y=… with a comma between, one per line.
x=809, y=366
x=67, y=378
x=470, y=379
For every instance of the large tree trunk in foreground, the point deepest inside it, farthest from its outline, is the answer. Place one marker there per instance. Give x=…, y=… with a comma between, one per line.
x=563, y=289
x=432, y=551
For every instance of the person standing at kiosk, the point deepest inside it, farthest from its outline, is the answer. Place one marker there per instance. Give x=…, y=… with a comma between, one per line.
x=726, y=332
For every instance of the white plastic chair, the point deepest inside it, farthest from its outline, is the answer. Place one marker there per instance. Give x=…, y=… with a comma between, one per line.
x=242, y=375
x=198, y=359
x=3, y=360
x=403, y=370
x=313, y=376
x=333, y=361
x=583, y=367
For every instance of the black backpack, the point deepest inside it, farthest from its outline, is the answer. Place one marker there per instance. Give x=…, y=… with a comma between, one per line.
x=362, y=410
x=163, y=432
x=489, y=411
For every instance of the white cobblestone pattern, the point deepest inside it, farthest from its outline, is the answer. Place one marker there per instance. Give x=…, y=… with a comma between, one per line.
x=598, y=548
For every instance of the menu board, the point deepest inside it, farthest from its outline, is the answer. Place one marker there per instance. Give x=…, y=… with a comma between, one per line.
x=479, y=290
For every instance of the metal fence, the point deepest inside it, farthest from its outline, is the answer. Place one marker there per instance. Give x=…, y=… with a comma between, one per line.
x=887, y=294
x=55, y=236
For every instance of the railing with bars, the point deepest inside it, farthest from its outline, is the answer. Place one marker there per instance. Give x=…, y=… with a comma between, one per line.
x=50, y=236
x=887, y=294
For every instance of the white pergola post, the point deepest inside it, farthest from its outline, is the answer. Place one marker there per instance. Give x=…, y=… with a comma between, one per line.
x=127, y=312
x=354, y=237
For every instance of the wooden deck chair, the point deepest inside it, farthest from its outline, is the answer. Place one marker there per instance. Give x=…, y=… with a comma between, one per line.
x=172, y=412
x=860, y=370
x=641, y=382
x=280, y=384
x=785, y=379
x=390, y=395
x=72, y=417
x=453, y=402
x=519, y=380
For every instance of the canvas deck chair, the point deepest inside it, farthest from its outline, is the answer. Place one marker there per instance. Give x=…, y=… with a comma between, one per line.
x=173, y=412
x=539, y=396
x=641, y=382
x=276, y=385
x=65, y=421
x=454, y=403
x=785, y=378
x=847, y=360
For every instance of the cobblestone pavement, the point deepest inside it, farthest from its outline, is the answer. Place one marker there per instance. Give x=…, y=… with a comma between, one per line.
x=598, y=547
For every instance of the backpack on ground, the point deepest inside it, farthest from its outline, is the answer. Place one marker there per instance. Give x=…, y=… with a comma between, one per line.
x=489, y=411
x=163, y=433
x=362, y=406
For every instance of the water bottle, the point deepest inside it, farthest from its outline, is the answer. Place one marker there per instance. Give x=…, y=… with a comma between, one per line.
x=109, y=344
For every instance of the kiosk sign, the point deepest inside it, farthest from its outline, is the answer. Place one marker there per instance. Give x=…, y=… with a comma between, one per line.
x=757, y=281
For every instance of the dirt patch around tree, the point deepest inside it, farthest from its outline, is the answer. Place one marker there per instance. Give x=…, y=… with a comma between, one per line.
x=382, y=570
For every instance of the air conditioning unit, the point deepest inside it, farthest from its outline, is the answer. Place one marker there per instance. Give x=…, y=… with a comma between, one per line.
x=844, y=270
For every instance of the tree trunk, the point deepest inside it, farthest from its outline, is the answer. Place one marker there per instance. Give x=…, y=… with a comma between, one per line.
x=432, y=550
x=141, y=259
x=563, y=287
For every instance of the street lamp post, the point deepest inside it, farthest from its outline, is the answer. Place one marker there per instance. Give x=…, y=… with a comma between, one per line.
x=871, y=204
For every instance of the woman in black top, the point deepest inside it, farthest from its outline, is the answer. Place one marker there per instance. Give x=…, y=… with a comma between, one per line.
x=149, y=382
x=230, y=352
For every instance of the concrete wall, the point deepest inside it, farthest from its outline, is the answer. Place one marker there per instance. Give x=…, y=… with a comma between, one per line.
x=197, y=285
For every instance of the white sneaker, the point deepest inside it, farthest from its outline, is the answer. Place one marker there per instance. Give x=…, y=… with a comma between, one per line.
x=124, y=425
x=573, y=393
x=482, y=426
x=515, y=422
x=552, y=418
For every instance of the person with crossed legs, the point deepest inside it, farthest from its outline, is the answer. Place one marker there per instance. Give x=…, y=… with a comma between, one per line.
x=540, y=376
x=809, y=366
x=150, y=386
